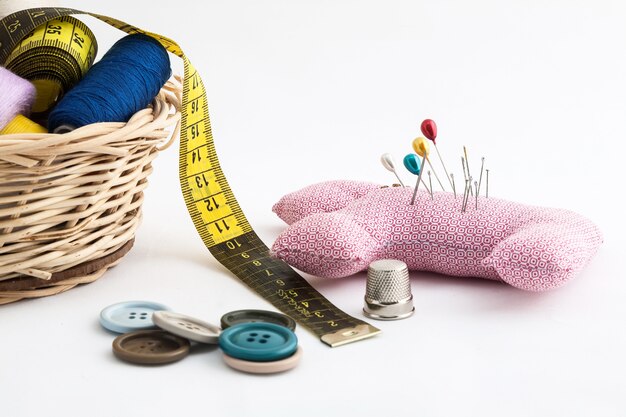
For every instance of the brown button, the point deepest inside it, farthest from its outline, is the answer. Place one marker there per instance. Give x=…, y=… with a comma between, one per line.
x=254, y=316
x=150, y=347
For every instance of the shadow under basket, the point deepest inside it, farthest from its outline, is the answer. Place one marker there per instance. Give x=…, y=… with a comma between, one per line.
x=70, y=203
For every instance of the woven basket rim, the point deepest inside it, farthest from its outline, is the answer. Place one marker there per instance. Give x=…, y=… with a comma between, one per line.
x=106, y=138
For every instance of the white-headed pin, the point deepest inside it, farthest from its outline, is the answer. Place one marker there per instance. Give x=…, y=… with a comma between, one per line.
x=387, y=160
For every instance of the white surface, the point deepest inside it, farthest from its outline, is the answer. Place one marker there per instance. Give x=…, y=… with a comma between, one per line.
x=302, y=92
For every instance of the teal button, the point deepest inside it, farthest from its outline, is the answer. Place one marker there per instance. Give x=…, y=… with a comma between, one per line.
x=258, y=342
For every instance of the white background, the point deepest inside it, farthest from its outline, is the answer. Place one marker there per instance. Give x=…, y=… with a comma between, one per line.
x=307, y=91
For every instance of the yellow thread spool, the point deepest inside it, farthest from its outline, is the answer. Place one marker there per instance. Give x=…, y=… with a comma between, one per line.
x=22, y=124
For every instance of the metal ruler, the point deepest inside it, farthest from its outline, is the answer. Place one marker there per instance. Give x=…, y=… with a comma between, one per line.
x=219, y=220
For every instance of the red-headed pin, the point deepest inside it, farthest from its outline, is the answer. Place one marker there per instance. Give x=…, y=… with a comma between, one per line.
x=429, y=129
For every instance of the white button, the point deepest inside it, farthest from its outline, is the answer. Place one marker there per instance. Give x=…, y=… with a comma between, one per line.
x=187, y=327
x=129, y=316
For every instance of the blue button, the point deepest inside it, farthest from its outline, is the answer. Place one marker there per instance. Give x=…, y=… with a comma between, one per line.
x=130, y=316
x=259, y=342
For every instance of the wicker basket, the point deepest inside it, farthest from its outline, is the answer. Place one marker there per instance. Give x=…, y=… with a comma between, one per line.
x=70, y=203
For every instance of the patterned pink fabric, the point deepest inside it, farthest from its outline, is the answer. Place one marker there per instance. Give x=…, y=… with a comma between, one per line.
x=320, y=198
x=338, y=228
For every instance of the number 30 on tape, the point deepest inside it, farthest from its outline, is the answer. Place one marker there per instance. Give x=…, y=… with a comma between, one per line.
x=211, y=203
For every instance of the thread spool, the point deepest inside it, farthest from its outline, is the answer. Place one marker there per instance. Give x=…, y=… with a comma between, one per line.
x=54, y=57
x=16, y=96
x=22, y=124
x=124, y=81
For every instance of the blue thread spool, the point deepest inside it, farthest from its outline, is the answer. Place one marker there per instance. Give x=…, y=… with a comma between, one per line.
x=124, y=81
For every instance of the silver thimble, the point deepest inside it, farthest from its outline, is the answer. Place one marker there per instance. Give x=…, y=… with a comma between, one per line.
x=388, y=291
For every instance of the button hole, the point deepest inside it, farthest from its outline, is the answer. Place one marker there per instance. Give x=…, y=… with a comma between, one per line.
x=250, y=339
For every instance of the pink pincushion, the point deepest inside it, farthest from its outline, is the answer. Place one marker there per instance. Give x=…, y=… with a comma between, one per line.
x=338, y=228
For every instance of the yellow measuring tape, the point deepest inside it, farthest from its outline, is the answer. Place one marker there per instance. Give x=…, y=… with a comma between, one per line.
x=211, y=203
x=54, y=57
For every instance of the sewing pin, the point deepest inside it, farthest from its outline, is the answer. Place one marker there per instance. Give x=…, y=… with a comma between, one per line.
x=429, y=129
x=430, y=183
x=468, y=186
x=476, y=186
x=387, y=160
x=466, y=161
x=487, y=185
x=412, y=164
x=421, y=147
x=468, y=169
x=465, y=188
x=480, y=179
x=464, y=171
x=419, y=178
x=452, y=182
x=463, y=200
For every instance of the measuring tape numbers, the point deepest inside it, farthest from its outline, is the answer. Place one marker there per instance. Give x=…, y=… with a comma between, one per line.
x=54, y=57
x=210, y=201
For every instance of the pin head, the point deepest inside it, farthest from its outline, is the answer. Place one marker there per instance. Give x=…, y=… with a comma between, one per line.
x=412, y=164
x=429, y=129
x=421, y=146
x=387, y=160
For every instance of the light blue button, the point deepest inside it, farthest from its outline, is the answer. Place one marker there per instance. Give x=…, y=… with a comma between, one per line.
x=130, y=316
x=258, y=342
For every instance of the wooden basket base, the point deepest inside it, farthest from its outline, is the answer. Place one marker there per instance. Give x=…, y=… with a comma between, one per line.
x=20, y=288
